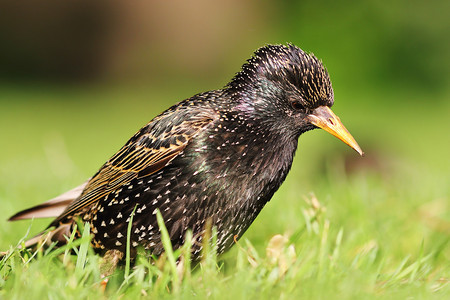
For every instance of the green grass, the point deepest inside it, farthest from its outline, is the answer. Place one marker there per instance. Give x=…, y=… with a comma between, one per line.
x=341, y=227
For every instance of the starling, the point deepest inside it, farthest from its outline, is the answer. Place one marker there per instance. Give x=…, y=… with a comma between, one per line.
x=216, y=157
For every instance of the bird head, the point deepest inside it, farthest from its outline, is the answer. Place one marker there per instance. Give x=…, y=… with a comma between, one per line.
x=290, y=88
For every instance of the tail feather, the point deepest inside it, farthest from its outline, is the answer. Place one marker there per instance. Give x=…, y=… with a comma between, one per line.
x=51, y=208
x=57, y=235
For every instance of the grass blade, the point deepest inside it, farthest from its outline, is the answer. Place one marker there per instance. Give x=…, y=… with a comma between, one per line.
x=84, y=247
x=128, y=250
x=165, y=238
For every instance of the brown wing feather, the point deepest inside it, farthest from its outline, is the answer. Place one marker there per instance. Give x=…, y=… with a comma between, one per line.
x=143, y=155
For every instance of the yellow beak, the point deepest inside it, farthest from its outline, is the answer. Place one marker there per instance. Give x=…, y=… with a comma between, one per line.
x=324, y=118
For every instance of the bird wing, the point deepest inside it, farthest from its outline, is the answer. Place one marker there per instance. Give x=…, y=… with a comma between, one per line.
x=148, y=151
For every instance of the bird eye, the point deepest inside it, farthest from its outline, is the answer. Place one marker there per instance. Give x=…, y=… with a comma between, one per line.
x=297, y=105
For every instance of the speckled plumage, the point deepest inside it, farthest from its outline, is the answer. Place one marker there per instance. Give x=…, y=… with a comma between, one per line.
x=217, y=156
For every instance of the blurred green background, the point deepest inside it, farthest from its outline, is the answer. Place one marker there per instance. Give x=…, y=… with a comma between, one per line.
x=78, y=78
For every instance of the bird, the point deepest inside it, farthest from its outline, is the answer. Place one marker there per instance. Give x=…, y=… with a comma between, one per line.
x=215, y=158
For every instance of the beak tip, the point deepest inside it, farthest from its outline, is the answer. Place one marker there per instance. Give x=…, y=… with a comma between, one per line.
x=359, y=150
